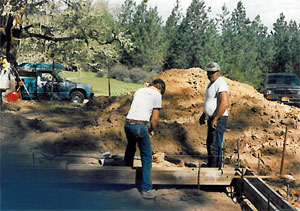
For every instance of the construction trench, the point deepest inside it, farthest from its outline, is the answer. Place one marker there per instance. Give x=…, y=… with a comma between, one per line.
x=242, y=185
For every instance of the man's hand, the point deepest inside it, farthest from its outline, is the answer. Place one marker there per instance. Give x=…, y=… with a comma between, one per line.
x=214, y=123
x=150, y=129
x=151, y=133
x=202, y=119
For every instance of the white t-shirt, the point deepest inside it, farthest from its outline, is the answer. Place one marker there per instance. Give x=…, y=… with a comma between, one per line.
x=211, y=96
x=144, y=101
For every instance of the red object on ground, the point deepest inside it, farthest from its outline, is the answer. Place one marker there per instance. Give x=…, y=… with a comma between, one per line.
x=12, y=96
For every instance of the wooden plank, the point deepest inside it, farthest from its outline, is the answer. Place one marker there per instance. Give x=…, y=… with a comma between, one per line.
x=261, y=177
x=175, y=176
x=101, y=174
x=85, y=173
x=34, y=174
x=214, y=176
x=160, y=175
x=260, y=194
x=189, y=176
x=254, y=196
x=274, y=197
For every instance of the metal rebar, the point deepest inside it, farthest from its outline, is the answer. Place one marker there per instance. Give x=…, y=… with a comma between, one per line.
x=283, y=151
x=33, y=159
x=223, y=155
x=66, y=174
x=258, y=165
x=242, y=185
x=269, y=200
x=199, y=176
x=238, y=152
x=287, y=191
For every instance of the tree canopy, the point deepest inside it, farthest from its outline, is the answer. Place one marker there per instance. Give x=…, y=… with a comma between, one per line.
x=88, y=35
x=77, y=32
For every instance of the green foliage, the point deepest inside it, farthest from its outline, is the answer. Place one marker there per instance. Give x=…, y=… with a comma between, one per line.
x=293, y=64
x=144, y=27
x=100, y=85
x=119, y=72
x=281, y=41
x=135, y=75
x=286, y=42
x=170, y=37
x=87, y=33
x=197, y=37
x=100, y=74
x=245, y=47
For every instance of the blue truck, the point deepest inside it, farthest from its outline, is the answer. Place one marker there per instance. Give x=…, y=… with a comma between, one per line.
x=42, y=81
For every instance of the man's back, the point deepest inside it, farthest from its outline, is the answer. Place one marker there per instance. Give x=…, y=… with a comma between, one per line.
x=144, y=101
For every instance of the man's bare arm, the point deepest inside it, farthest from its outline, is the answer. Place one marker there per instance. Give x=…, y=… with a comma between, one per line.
x=224, y=102
x=154, y=118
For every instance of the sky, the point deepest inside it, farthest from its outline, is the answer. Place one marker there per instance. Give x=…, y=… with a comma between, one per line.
x=269, y=10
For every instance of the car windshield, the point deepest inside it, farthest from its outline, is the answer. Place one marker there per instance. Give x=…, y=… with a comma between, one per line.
x=283, y=79
x=59, y=77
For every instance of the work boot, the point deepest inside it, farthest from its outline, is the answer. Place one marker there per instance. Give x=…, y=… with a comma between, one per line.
x=149, y=194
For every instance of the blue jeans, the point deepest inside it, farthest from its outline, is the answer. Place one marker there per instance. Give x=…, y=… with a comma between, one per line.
x=214, y=142
x=139, y=134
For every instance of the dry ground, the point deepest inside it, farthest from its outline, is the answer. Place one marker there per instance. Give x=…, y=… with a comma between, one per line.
x=256, y=125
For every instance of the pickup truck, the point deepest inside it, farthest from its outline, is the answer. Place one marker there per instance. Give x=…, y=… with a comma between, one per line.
x=44, y=82
x=282, y=87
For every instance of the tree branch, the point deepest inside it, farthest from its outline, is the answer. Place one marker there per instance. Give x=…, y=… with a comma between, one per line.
x=58, y=39
x=39, y=3
x=55, y=39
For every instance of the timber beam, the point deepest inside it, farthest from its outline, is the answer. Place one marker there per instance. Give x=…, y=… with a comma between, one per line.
x=83, y=173
x=262, y=196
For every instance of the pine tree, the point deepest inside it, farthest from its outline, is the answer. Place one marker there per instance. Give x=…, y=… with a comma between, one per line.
x=171, y=44
x=144, y=29
x=225, y=29
x=293, y=64
x=196, y=34
x=126, y=23
x=125, y=16
x=281, y=42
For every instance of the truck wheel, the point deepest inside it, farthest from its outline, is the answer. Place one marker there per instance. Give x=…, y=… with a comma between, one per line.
x=76, y=97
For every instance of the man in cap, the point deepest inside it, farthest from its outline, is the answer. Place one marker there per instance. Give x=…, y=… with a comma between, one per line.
x=215, y=108
x=140, y=122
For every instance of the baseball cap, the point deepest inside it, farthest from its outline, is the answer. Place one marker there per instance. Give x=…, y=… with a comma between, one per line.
x=213, y=67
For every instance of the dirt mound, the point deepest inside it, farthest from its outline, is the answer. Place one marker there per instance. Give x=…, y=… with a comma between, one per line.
x=259, y=125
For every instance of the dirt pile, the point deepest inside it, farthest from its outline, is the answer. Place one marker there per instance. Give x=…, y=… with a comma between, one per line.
x=256, y=126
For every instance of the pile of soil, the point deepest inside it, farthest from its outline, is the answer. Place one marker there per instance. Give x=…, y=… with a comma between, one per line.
x=256, y=129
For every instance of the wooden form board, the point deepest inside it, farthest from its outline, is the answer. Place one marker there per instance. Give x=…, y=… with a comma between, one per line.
x=101, y=174
x=159, y=175
x=82, y=173
x=190, y=176
x=260, y=194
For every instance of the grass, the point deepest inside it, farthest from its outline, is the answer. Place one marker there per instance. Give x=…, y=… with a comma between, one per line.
x=100, y=85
